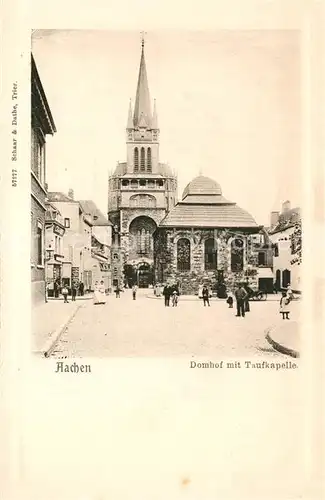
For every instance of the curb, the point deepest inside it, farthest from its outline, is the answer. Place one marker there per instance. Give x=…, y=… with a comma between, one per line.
x=279, y=347
x=53, y=299
x=194, y=298
x=49, y=346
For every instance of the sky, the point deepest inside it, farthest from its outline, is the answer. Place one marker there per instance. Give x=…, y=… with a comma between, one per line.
x=228, y=102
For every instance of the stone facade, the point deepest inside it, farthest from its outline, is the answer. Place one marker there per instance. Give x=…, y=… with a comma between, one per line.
x=166, y=265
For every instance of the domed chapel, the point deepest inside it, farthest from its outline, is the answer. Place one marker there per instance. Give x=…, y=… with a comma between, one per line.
x=208, y=239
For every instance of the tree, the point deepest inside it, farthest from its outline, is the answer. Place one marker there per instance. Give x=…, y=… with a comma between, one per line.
x=296, y=243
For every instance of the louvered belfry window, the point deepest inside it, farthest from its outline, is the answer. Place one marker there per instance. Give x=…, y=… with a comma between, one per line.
x=136, y=160
x=183, y=254
x=142, y=161
x=149, y=165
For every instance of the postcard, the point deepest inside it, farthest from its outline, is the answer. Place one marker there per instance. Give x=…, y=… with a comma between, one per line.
x=159, y=300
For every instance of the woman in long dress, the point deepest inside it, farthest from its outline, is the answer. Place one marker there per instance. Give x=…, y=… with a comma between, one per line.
x=285, y=305
x=101, y=292
x=97, y=294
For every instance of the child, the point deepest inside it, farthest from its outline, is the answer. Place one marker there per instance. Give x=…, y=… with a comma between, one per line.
x=174, y=298
x=284, y=305
x=230, y=301
x=65, y=294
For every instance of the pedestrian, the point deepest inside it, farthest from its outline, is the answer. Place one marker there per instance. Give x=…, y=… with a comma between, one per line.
x=275, y=287
x=73, y=291
x=249, y=293
x=81, y=289
x=102, y=293
x=65, y=294
x=175, y=296
x=240, y=295
x=117, y=292
x=285, y=305
x=134, y=292
x=56, y=288
x=166, y=294
x=205, y=295
x=230, y=301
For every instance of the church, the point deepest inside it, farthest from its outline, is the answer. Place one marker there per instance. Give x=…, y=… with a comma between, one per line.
x=141, y=191
x=204, y=238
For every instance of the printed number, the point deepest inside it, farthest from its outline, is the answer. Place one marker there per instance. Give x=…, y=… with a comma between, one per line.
x=14, y=178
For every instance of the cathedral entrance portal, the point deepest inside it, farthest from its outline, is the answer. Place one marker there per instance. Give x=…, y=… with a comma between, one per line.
x=141, y=274
x=145, y=275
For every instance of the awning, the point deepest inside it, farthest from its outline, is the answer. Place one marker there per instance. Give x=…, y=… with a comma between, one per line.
x=265, y=272
x=100, y=259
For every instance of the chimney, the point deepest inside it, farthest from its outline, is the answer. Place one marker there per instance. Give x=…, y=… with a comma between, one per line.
x=71, y=194
x=274, y=218
x=286, y=206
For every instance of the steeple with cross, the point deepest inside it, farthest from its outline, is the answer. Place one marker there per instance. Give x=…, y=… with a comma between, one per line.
x=142, y=125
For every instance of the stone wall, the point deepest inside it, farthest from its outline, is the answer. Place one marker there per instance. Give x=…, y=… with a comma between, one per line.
x=165, y=262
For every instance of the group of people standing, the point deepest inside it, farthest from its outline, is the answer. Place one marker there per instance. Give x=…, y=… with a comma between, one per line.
x=76, y=289
x=171, y=292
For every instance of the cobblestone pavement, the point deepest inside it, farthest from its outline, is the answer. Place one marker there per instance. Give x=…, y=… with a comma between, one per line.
x=144, y=327
x=46, y=318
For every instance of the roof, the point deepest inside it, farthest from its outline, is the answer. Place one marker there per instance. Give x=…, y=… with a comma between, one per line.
x=202, y=185
x=287, y=219
x=212, y=215
x=97, y=217
x=142, y=109
x=206, y=199
x=204, y=206
x=39, y=100
x=50, y=206
x=56, y=196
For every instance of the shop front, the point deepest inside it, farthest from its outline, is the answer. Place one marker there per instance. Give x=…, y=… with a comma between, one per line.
x=97, y=269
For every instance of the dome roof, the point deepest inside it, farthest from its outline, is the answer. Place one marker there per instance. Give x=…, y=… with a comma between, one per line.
x=202, y=185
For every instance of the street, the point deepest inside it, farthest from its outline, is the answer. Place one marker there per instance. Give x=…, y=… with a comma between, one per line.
x=145, y=327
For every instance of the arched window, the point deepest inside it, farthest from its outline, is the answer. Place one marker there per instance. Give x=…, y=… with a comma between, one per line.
x=149, y=166
x=136, y=160
x=142, y=160
x=210, y=254
x=278, y=279
x=183, y=254
x=237, y=255
x=286, y=277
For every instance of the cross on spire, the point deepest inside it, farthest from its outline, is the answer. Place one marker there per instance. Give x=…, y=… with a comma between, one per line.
x=143, y=33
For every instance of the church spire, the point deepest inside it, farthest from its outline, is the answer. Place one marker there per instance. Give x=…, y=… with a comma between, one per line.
x=142, y=109
x=130, y=119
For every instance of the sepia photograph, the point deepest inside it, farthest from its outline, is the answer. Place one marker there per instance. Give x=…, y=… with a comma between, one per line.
x=166, y=194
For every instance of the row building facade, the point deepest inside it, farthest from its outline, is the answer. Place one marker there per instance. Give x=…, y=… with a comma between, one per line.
x=42, y=124
x=287, y=269
x=87, y=241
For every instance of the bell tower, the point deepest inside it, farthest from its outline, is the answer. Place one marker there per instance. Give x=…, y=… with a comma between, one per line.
x=142, y=132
